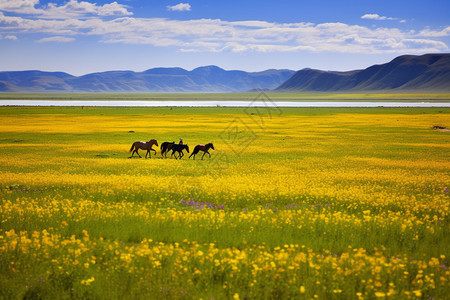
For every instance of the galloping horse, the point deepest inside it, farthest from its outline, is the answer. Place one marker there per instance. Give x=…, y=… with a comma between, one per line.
x=179, y=148
x=144, y=146
x=166, y=147
x=203, y=148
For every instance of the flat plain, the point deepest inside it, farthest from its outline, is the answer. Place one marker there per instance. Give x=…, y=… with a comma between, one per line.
x=327, y=203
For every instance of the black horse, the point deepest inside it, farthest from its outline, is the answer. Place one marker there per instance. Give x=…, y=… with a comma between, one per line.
x=166, y=147
x=179, y=148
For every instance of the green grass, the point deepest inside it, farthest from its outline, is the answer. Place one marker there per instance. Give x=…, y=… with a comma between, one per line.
x=339, y=201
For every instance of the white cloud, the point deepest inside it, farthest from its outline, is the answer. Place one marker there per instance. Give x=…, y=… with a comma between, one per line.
x=180, y=7
x=20, y=6
x=11, y=37
x=435, y=33
x=376, y=17
x=57, y=39
x=71, y=9
x=112, y=23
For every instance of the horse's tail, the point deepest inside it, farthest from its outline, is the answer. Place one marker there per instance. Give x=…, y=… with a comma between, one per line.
x=132, y=146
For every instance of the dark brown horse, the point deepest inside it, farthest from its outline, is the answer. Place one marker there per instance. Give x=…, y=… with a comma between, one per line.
x=203, y=148
x=179, y=148
x=165, y=148
x=144, y=146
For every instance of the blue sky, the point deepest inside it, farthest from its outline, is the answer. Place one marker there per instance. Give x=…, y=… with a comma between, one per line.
x=80, y=37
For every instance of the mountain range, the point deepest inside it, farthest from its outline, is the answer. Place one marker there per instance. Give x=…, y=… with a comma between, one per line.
x=203, y=79
x=429, y=72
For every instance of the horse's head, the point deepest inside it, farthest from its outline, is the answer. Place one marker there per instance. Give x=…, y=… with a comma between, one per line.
x=212, y=146
x=156, y=142
x=187, y=148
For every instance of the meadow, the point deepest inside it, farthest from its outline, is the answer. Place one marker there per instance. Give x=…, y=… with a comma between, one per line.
x=298, y=203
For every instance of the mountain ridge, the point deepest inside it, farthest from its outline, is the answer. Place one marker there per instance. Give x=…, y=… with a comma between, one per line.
x=201, y=79
x=428, y=72
x=403, y=73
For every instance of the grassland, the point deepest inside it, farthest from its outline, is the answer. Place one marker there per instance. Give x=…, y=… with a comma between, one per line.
x=385, y=97
x=294, y=203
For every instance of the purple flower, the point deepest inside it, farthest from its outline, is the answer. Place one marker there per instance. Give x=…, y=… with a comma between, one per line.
x=198, y=205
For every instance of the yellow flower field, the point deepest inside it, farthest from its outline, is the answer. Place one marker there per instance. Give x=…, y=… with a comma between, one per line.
x=293, y=203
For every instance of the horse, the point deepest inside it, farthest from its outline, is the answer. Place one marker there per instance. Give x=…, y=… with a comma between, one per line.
x=179, y=148
x=203, y=148
x=166, y=147
x=144, y=146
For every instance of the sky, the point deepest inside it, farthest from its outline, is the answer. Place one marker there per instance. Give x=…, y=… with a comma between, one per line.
x=81, y=37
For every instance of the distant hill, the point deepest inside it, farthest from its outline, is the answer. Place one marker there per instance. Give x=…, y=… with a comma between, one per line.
x=203, y=79
x=430, y=72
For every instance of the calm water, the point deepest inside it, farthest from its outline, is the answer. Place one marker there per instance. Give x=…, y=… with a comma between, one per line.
x=217, y=103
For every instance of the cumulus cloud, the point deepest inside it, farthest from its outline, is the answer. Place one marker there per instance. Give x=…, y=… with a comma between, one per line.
x=435, y=33
x=71, y=9
x=20, y=6
x=112, y=23
x=74, y=9
x=375, y=17
x=180, y=7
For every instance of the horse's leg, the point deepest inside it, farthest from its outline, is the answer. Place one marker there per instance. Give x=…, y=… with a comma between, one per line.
x=138, y=153
x=203, y=155
x=209, y=154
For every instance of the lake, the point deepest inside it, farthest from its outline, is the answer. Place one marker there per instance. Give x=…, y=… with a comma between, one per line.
x=218, y=103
